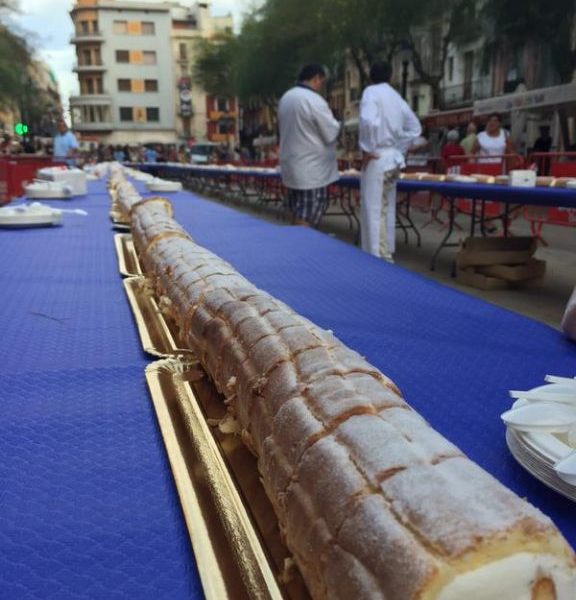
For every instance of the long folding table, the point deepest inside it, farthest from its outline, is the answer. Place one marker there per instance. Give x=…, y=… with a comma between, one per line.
x=511, y=197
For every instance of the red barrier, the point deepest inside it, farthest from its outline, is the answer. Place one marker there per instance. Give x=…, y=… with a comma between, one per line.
x=16, y=171
x=538, y=216
x=556, y=164
x=4, y=197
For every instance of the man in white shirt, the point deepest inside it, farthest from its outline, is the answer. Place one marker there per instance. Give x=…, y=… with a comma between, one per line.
x=308, y=134
x=387, y=129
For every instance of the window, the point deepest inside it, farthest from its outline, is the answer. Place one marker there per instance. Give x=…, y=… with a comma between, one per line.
x=225, y=126
x=120, y=27
x=152, y=114
x=95, y=26
x=86, y=58
x=451, y=68
x=416, y=103
x=84, y=27
x=222, y=104
x=139, y=114
x=99, y=85
x=151, y=85
x=89, y=86
x=126, y=113
x=124, y=85
x=149, y=57
x=148, y=28
x=122, y=56
x=183, y=52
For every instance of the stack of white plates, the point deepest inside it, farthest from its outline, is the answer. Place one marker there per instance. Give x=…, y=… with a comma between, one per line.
x=48, y=189
x=541, y=433
x=31, y=215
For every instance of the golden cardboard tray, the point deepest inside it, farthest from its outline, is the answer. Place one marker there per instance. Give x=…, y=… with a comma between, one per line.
x=231, y=560
x=158, y=339
x=232, y=525
x=128, y=262
x=116, y=215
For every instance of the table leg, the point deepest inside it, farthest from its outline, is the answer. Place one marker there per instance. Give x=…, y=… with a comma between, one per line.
x=444, y=243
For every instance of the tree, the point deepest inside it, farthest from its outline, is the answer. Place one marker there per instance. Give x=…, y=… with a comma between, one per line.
x=447, y=22
x=15, y=59
x=515, y=22
x=214, y=67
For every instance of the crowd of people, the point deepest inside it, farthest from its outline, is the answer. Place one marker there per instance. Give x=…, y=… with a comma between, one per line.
x=65, y=145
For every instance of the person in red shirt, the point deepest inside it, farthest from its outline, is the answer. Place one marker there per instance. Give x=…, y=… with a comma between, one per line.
x=452, y=150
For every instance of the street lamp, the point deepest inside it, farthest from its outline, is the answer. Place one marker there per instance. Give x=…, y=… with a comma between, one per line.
x=405, y=57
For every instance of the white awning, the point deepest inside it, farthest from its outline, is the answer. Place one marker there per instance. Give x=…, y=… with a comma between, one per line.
x=532, y=99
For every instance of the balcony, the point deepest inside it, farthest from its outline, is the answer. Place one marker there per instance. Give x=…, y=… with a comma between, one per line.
x=465, y=94
x=91, y=100
x=91, y=127
x=87, y=36
x=95, y=67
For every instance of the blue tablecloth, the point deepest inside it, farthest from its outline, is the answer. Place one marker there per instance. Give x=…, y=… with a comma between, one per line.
x=87, y=503
x=88, y=508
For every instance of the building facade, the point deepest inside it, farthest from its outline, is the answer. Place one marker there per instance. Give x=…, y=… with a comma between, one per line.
x=135, y=72
x=199, y=116
x=125, y=72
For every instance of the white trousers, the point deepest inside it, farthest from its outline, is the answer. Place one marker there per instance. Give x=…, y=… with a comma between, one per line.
x=378, y=207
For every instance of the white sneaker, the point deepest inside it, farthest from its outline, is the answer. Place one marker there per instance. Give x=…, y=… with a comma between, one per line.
x=388, y=258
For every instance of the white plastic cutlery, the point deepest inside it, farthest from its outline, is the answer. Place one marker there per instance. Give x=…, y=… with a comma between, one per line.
x=566, y=468
x=546, y=417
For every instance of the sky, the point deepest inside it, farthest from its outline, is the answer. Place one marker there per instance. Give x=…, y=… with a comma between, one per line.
x=49, y=23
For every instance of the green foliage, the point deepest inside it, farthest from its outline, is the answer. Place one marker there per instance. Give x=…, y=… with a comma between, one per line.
x=277, y=39
x=514, y=22
x=15, y=58
x=214, y=68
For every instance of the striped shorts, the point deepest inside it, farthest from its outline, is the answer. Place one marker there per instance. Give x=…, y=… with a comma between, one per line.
x=308, y=205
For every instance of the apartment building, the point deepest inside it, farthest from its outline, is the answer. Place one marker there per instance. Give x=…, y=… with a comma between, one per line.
x=199, y=116
x=135, y=70
x=125, y=72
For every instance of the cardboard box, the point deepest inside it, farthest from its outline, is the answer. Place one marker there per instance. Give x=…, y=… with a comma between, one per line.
x=477, y=280
x=480, y=252
x=533, y=269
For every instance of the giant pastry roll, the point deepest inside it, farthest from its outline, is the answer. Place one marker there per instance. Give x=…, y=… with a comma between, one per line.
x=372, y=502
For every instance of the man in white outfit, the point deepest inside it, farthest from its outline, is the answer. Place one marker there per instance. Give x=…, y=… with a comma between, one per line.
x=387, y=129
x=308, y=134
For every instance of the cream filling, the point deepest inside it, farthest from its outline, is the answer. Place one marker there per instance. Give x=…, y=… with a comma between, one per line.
x=512, y=579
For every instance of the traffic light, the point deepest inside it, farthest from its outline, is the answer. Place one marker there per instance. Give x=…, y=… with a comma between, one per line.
x=20, y=128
